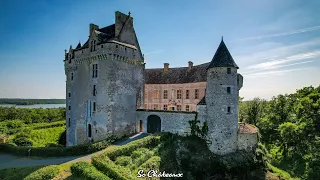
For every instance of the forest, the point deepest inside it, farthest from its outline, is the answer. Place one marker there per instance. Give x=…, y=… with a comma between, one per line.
x=31, y=101
x=289, y=127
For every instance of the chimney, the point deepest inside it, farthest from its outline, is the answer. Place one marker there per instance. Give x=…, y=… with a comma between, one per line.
x=92, y=28
x=166, y=67
x=190, y=63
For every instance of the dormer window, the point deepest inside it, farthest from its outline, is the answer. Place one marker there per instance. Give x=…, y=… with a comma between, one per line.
x=229, y=70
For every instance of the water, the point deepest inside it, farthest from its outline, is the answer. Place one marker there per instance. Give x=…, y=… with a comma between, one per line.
x=34, y=105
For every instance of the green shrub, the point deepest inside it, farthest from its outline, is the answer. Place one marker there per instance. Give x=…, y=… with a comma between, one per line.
x=109, y=168
x=126, y=150
x=87, y=171
x=152, y=164
x=44, y=173
x=124, y=161
x=54, y=151
x=22, y=141
x=141, y=155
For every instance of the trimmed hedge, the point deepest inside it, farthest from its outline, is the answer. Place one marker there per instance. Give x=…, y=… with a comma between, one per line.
x=105, y=162
x=87, y=171
x=47, y=172
x=56, y=151
x=126, y=150
x=109, y=168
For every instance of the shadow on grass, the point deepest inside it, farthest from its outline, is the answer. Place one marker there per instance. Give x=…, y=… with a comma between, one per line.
x=17, y=173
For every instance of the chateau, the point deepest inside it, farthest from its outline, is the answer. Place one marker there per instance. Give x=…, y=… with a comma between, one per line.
x=109, y=92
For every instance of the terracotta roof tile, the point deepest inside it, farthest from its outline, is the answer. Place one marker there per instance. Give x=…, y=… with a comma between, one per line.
x=245, y=128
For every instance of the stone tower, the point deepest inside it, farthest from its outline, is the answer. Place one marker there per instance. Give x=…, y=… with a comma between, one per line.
x=222, y=92
x=105, y=81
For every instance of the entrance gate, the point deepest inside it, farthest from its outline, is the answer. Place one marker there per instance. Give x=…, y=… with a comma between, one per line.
x=153, y=124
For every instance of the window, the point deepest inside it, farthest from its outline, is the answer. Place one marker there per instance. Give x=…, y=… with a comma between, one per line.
x=91, y=46
x=155, y=94
x=165, y=94
x=145, y=106
x=69, y=61
x=179, y=94
x=172, y=108
x=94, y=90
x=229, y=70
x=89, y=130
x=69, y=108
x=196, y=94
x=101, y=46
x=69, y=95
x=155, y=107
x=117, y=46
x=179, y=107
x=95, y=70
x=229, y=109
x=125, y=49
x=187, y=108
x=94, y=106
x=94, y=46
x=69, y=122
x=187, y=94
x=165, y=107
x=71, y=76
x=229, y=90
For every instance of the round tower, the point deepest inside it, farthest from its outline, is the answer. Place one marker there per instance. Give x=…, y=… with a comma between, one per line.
x=221, y=98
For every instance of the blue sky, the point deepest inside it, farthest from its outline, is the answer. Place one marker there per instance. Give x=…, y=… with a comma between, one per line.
x=275, y=43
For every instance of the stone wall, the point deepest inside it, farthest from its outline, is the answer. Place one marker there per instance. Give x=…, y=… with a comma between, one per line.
x=222, y=125
x=247, y=141
x=171, y=121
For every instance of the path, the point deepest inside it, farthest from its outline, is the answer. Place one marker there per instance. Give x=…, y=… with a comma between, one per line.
x=10, y=161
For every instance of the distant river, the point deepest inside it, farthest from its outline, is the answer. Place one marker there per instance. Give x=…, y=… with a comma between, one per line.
x=34, y=105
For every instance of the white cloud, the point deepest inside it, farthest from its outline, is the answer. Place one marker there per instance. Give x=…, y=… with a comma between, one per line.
x=269, y=73
x=275, y=63
x=297, y=31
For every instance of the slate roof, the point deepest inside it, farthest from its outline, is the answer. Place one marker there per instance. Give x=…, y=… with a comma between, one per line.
x=222, y=58
x=177, y=75
x=104, y=34
x=78, y=46
x=202, y=101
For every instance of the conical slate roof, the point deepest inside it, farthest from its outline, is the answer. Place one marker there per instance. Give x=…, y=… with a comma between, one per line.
x=78, y=46
x=222, y=58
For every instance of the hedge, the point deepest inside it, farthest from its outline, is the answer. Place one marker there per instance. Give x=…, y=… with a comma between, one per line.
x=47, y=172
x=87, y=171
x=109, y=168
x=105, y=162
x=126, y=150
x=56, y=151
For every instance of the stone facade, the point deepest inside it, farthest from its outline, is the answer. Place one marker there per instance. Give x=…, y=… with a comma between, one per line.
x=109, y=92
x=171, y=121
x=185, y=96
x=104, y=84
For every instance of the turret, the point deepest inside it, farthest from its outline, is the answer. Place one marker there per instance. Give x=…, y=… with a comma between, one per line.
x=221, y=98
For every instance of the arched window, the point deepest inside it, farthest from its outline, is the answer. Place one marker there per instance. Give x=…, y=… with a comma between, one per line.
x=89, y=130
